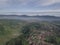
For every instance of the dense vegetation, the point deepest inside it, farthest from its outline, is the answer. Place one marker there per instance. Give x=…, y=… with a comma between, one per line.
x=18, y=32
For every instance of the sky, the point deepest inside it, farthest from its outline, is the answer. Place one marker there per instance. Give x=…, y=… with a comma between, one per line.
x=48, y=6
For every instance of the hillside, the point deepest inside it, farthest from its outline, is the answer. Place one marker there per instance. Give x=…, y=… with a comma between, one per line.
x=18, y=32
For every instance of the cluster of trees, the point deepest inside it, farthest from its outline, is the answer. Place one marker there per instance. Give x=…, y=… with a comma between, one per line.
x=53, y=39
x=25, y=33
x=2, y=30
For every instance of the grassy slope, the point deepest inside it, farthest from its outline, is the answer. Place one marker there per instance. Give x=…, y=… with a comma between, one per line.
x=11, y=30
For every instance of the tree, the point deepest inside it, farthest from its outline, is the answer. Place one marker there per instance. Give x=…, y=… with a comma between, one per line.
x=2, y=30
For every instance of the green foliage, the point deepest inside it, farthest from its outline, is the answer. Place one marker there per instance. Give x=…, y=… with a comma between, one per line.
x=11, y=29
x=26, y=31
x=18, y=41
x=2, y=30
x=58, y=40
x=53, y=39
x=36, y=26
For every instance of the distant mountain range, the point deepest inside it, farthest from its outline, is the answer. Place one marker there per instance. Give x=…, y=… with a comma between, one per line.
x=26, y=17
x=30, y=16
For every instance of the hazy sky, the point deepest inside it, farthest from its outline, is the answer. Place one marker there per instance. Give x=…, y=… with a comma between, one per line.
x=30, y=6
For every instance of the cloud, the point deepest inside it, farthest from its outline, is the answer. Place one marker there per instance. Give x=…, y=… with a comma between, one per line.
x=26, y=2
x=3, y=2
x=47, y=2
x=39, y=2
x=30, y=4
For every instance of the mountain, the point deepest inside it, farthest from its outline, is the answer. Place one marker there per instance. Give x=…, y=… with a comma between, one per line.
x=26, y=17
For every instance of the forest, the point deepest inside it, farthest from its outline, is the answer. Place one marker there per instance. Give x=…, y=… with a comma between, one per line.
x=18, y=32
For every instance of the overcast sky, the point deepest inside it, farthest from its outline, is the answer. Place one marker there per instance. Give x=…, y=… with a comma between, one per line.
x=7, y=6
